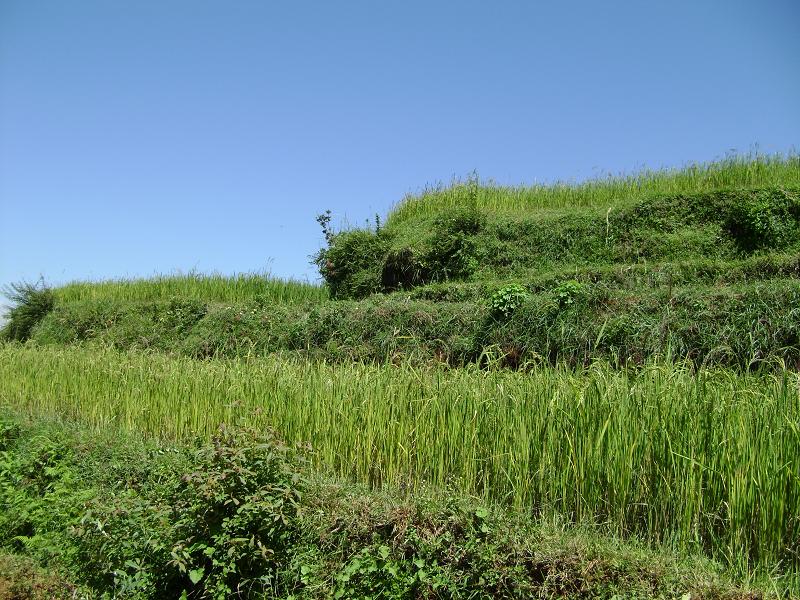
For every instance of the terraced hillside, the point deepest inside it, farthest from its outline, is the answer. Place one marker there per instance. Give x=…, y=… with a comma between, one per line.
x=550, y=391
x=700, y=264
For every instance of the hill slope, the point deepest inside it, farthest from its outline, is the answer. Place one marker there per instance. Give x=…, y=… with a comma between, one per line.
x=701, y=264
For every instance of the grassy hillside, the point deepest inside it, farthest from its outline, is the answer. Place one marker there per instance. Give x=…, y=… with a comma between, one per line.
x=470, y=243
x=618, y=357
x=604, y=192
x=701, y=263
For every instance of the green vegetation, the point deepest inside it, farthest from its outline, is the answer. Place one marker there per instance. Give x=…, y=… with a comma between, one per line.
x=619, y=357
x=194, y=286
x=242, y=516
x=555, y=319
x=702, y=273
x=468, y=243
x=699, y=461
x=602, y=193
x=31, y=303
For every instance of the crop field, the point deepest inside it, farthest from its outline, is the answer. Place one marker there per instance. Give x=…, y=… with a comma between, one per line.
x=194, y=286
x=704, y=461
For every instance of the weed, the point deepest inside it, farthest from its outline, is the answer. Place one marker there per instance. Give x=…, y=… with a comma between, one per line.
x=507, y=299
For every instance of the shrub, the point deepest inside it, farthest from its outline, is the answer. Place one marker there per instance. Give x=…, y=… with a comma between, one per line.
x=568, y=292
x=351, y=264
x=31, y=303
x=225, y=528
x=403, y=269
x=507, y=299
x=765, y=220
x=237, y=516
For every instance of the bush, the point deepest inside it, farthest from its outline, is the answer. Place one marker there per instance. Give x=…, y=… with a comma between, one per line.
x=403, y=269
x=32, y=302
x=765, y=220
x=351, y=264
x=236, y=517
x=225, y=528
x=505, y=300
x=568, y=292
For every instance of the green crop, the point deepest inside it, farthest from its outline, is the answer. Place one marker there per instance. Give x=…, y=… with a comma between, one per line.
x=706, y=460
x=194, y=286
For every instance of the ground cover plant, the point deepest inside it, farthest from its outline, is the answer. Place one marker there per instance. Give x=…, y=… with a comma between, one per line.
x=240, y=515
x=741, y=323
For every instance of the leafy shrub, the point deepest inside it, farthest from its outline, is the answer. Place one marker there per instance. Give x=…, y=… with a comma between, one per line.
x=351, y=264
x=403, y=269
x=375, y=573
x=31, y=303
x=236, y=517
x=223, y=529
x=507, y=299
x=568, y=292
x=765, y=220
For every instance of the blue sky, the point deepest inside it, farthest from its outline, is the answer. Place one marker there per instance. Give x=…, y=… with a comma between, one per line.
x=152, y=137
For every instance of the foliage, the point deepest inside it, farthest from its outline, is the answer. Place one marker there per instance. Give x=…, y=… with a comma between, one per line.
x=704, y=460
x=334, y=541
x=31, y=303
x=236, y=519
x=212, y=522
x=468, y=243
x=568, y=292
x=764, y=221
x=452, y=250
x=729, y=317
x=324, y=220
x=507, y=299
x=351, y=264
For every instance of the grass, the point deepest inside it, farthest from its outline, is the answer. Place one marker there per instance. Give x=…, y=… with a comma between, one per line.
x=671, y=271
x=126, y=517
x=195, y=286
x=604, y=192
x=627, y=317
x=705, y=461
x=470, y=242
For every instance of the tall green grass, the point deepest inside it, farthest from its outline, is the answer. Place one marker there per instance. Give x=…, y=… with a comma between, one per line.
x=206, y=287
x=753, y=170
x=708, y=460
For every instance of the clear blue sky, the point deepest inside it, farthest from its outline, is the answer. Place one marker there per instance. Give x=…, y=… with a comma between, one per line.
x=150, y=136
